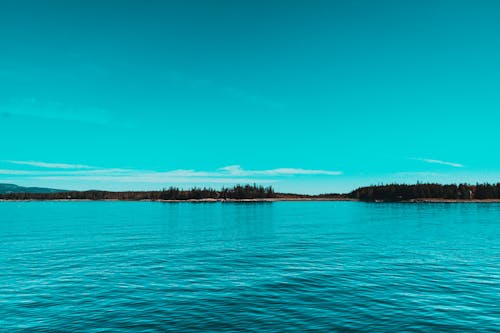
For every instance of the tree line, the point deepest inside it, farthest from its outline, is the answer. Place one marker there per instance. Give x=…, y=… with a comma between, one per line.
x=390, y=192
x=403, y=192
x=235, y=192
x=171, y=193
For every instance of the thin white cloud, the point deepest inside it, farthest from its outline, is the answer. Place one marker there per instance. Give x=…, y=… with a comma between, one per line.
x=48, y=165
x=154, y=179
x=56, y=110
x=432, y=161
x=418, y=173
x=231, y=92
x=229, y=174
x=238, y=170
x=233, y=169
x=14, y=172
x=67, y=172
x=295, y=171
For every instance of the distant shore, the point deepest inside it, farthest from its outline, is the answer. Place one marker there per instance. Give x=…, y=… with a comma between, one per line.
x=403, y=193
x=439, y=200
x=188, y=200
x=262, y=200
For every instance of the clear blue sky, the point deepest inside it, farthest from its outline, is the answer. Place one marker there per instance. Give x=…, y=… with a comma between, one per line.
x=307, y=96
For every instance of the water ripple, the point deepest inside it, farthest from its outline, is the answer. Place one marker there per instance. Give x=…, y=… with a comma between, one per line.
x=311, y=266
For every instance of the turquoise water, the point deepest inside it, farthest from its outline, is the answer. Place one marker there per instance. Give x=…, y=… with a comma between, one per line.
x=259, y=267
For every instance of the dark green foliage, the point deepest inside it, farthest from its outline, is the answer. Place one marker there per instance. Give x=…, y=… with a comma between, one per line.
x=402, y=192
x=391, y=192
x=172, y=193
x=487, y=191
x=247, y=192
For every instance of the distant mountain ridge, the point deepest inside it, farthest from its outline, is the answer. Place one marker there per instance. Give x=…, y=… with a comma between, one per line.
x=12, y=188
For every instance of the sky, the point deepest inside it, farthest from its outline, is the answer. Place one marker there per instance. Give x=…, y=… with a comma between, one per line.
x=304, y=96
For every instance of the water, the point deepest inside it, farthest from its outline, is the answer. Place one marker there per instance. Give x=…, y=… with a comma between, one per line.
x=268, y=267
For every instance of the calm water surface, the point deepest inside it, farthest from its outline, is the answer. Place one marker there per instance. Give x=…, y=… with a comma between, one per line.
x=285, y=266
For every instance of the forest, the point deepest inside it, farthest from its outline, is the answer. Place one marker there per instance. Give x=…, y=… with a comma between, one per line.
x=386, y=193
x=173, y=193
x=403, y=192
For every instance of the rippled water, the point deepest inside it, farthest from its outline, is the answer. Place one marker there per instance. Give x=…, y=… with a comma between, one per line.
x=285, y=266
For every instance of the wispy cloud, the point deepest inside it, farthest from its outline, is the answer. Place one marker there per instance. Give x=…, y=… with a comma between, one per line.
x=14, y=172
x=48, y=165
x=67, y=172
x=432, y=161
x=56, y=110
x=227, y=174
x=153, y=178
x=237, y=170
x=419, y=174
x=41, y=109
x=225, y=91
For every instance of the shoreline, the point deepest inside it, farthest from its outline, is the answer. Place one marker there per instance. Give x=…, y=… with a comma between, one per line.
x=208, y=200
x=437, y=200
x=270, y=200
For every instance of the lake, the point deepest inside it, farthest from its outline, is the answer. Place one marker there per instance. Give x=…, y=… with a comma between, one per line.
x=249, y=267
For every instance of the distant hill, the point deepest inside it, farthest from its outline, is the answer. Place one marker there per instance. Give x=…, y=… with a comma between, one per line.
x=11, y=188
